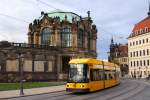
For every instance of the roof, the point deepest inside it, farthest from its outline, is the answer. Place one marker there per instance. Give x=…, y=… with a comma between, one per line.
x=142, y=24
x=62, y=14
x=108, y=65
x=123, y=50
x=140, y=27
x=90, y=61
x=85, y=60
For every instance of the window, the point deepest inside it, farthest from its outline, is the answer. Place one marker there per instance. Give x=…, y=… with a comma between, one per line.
x=147, y=40
x=78, y=73
x=0, y=68
x=143, y=52
x=143, y=41
x=134, y=63
x=144, y=62
x=141, y=63
x=131, y=63
x=136, y=42
x=141, y=31
x=147, y=62
x=130, y=54
x=66, y=37
x=137, y=63
x=96, y=75
x=140, y=53
x=130, y=44
x=45, y=66
x=134, y=54
x=147, y=51
x=146, y=29
x=80, y=38
x=133, y=43
x=137, y=53
x=139, y=41
x=46, y=36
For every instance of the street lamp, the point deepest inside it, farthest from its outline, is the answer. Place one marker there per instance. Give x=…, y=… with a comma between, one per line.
x=146, y=72
x=103, y=73
x=134, y=73
x=139, y=73
x=21, y=58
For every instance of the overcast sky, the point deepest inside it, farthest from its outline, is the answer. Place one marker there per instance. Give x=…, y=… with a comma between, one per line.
x=114, y=18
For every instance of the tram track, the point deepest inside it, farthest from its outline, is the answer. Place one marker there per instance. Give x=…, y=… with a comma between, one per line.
x=94, y=95
x=108, y=95
x=67, y=96
x=125, y=95
x=126, y=90
x=91, y=96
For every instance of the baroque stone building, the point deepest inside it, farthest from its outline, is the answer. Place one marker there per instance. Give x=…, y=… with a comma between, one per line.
x=53, y=39
x=119, y=55
x=139, y=48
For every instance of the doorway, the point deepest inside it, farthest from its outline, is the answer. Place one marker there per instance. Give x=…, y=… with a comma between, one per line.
x=65, y=64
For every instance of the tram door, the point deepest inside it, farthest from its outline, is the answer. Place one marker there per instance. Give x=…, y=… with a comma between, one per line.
x=65, y=64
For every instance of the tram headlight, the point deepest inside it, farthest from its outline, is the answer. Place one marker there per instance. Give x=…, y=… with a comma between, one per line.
x=81, y=86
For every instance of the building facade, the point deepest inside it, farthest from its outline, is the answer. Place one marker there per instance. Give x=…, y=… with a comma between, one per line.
x=139, y=48
x=53, y=39
x=119, y=55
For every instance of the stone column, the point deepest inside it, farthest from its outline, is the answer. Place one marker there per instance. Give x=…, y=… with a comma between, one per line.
x=74, y=39
x=57, y=37
x=36, y=38
x=59, y=66
x=85, y=41
x=39, y=42
x=29, y=38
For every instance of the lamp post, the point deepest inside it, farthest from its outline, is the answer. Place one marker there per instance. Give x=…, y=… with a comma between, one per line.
x=134, y=73
x=103, y=73
x=146, y=72
x=139, y=73
x=21, y=72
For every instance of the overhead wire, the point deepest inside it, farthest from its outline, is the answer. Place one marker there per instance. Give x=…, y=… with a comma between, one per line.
x=15, y=18
x=110, y=33
x=47, y=4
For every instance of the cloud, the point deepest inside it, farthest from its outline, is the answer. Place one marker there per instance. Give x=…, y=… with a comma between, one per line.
x=113, y=17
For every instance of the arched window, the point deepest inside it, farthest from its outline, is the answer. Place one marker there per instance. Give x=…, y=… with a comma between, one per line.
x=46, y=37
x=66, y=37
x=80, y=38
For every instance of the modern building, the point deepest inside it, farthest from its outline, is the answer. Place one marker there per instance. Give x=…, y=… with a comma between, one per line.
x=139, y=49
x=119, y=55
x=53, y=39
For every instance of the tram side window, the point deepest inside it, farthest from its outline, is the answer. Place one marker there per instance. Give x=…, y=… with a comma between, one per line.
x=105, y=76
x=117, y=74
x=113, y=75
x=96, y=75
x=109, y=75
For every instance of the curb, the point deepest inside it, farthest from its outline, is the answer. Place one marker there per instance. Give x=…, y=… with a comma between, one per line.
x=30, y=95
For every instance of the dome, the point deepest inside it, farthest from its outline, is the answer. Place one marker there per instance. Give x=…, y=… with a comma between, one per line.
x=61, y=15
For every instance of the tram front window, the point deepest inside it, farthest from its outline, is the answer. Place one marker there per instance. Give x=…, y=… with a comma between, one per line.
x=78, y=73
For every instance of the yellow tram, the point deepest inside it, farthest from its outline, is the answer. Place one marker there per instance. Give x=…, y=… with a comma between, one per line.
x=88, y=75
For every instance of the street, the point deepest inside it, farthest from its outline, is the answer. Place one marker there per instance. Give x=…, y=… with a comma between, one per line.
x=127, y=90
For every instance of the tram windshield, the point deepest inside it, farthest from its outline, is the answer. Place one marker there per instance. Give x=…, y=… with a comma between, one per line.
x=78, y=73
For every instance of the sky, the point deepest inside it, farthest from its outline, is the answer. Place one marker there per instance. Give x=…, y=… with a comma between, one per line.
x=113, y=18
